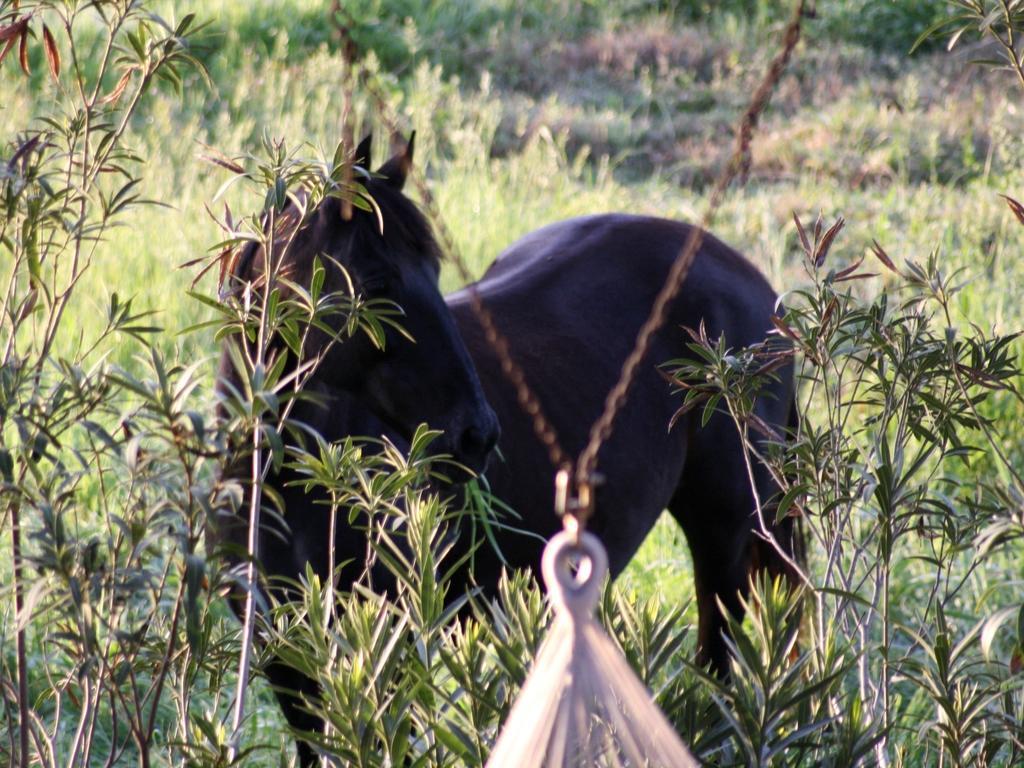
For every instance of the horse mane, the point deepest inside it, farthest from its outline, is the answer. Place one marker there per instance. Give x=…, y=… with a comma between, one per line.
x=406, y=230
x=400, y=232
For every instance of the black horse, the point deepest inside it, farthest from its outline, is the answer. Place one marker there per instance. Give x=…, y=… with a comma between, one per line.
x=569, y=298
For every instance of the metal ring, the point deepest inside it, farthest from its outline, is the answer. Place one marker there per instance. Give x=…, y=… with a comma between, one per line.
x=575, y=592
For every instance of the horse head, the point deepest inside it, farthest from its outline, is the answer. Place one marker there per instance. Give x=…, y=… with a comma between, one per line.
x=422, y=373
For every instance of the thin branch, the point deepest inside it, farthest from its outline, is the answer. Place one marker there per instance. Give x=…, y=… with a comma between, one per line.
x=21, y=623
x=255, y=502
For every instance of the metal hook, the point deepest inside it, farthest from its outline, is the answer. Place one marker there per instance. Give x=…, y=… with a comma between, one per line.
x=575, y=506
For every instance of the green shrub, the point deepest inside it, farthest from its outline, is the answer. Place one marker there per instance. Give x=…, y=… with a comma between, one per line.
x=882, y=25
x=906, y=469
x=893, y=394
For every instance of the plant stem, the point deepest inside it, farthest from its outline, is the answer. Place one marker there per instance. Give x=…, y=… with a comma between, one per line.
x=1011, y=44
x=886, y=671
x=19, y=607
x=255, y=500
x=245, y=657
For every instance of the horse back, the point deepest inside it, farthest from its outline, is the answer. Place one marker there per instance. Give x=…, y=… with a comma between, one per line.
x=570, y=298
x=574, y=271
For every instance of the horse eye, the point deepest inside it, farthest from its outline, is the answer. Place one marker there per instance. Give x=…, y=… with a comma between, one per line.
x=374, y=284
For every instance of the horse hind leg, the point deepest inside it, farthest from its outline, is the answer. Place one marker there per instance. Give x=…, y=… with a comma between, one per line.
x=721, y=561
x=290, y=687
x=716, y=508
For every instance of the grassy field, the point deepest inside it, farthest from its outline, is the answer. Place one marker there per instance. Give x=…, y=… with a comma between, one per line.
x=528, y=113
x=618, y=108
x=626, y=111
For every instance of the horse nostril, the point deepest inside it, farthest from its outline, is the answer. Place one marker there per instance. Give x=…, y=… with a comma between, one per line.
x=478, y=440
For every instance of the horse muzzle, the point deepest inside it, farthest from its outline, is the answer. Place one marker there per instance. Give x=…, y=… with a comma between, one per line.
x=471, y=444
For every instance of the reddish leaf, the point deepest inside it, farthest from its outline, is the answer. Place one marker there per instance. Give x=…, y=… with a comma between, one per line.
x=228, y=259
x=794, y=654
x=845, y=273
x=784, y=329
x=776, y=361
x=115, y=94
x=11, y=31
x=224, y=226
x=827, y=314
x=883, y=256
x=1015, y=206
x=1016, y=661
x=223, y=260
x=823, y=245
x=23, y=150
x=27, y=305
x=803, y=235
x=223, y=162
x=667, y=377
x=860, y=276
x=14, y=29
x=23, y=52
x=192, y=262
x=7, y=48
x=685, y=409
x=700, y=335
x=52, y=54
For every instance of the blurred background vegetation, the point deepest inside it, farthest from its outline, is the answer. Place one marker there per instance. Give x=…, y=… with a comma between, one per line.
x=531, y=111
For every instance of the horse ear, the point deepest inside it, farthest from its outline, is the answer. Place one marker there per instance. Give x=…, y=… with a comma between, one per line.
x=396, y=170
x=362, y=156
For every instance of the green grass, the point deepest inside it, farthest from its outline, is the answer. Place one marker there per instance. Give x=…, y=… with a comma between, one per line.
x=615, y=115
x=524, y=118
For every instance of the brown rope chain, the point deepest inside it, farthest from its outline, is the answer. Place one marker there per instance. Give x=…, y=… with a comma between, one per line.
x=348, y=54
x=739, y=163
x=586, y=465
